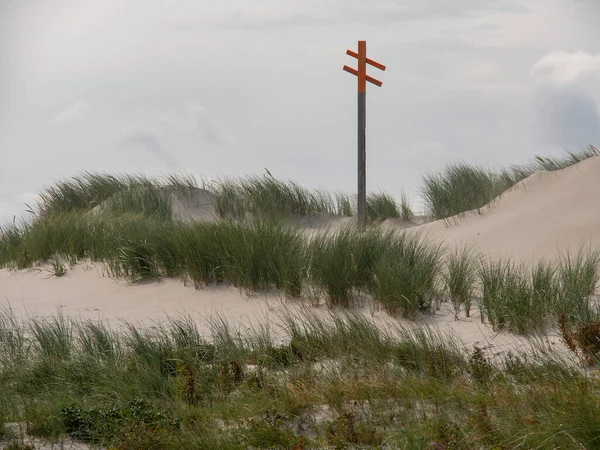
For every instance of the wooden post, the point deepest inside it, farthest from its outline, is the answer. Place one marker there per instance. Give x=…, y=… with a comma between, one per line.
x=362, y=136
x=362, y=76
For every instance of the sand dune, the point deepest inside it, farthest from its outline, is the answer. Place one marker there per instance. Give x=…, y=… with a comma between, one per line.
x=87, y=293
x=547, y=213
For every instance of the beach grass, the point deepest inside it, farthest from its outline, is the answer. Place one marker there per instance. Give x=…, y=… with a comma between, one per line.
x=462, y=187
x=316, y=378
x=401, y=271
x=460, y=279
x=334, y=381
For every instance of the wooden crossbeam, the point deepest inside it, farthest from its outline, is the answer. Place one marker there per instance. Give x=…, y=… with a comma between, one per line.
x=370, y=79
x=368, y=60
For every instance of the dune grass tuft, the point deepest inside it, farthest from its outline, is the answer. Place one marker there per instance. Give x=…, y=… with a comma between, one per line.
x=405, y=277
x=337, y=380
x=461, y=187
x=460, y=279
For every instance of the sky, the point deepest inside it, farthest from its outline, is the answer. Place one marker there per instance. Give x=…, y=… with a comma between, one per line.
x=229, y=88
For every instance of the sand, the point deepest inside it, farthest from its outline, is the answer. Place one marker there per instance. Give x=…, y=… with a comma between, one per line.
x=545, y=213
x=87, y=293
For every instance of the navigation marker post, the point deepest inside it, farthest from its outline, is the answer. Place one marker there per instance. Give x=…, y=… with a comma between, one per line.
x=361, y=73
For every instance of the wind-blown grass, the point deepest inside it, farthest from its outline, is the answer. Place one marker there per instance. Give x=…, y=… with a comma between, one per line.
x=266, y=197
x=342, y=263
x=132, y=193
x=173, y=387
x=261, y=197
x=381, y=206
x=405, y=277
x=510, y=299
x=399, y=270
x=525, y=300
x=406, y=211
x=461, y=187
x=461, y=279
x=579, y=275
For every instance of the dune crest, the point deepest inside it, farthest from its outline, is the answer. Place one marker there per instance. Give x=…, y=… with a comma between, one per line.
x=547, y=213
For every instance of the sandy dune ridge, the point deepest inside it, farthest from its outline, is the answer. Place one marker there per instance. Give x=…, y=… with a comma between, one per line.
x=547, y=213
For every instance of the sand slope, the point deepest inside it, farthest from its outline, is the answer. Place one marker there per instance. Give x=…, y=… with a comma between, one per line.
x=546, y=213
x=86, y=293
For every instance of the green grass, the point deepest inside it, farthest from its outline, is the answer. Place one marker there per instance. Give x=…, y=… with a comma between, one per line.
x=461, y=187
x=381, y=206
x=411, y=387
x=405, y=278
x=527, y=300
x=579, y=275
x=460, y=279
x=406, y=212
x=510, y=299
x=401, y=271
x=268, y=198
x=171, y=387
x=131, y=193
x=260, y=197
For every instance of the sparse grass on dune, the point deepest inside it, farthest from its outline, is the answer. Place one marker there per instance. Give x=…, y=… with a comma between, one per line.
x=510, y=300
x=406, y=276
x=461, y=187
x=131, y=193
x=338, y=381
x=381, y=206
x=335, y=379
x=525, y=300
x=267, y=197
x=460, y=279
x=401, y=271
x=261, y=197
x=255, y=256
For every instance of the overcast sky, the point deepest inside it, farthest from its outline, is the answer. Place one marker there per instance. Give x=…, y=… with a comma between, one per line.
x=228, y=88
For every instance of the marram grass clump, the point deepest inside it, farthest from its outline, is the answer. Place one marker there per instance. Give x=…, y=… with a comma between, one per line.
x=339, y=380
x=461, y=187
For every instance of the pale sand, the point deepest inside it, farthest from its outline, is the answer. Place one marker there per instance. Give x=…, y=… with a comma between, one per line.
x=85, y=292
x=545, y=213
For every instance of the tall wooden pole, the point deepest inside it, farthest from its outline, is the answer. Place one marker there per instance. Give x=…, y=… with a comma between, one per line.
x=362, y=76
x=362, y=135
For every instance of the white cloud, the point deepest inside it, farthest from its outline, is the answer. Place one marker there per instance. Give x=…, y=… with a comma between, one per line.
x=562, y=67
x=73, y=113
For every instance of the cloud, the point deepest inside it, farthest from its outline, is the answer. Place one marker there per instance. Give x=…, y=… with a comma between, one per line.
x=148, y=142
x=562, y=67
x=73, y=113
x=568, y=117
x=376, y=13
x=196, y=118
x=212, y=132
